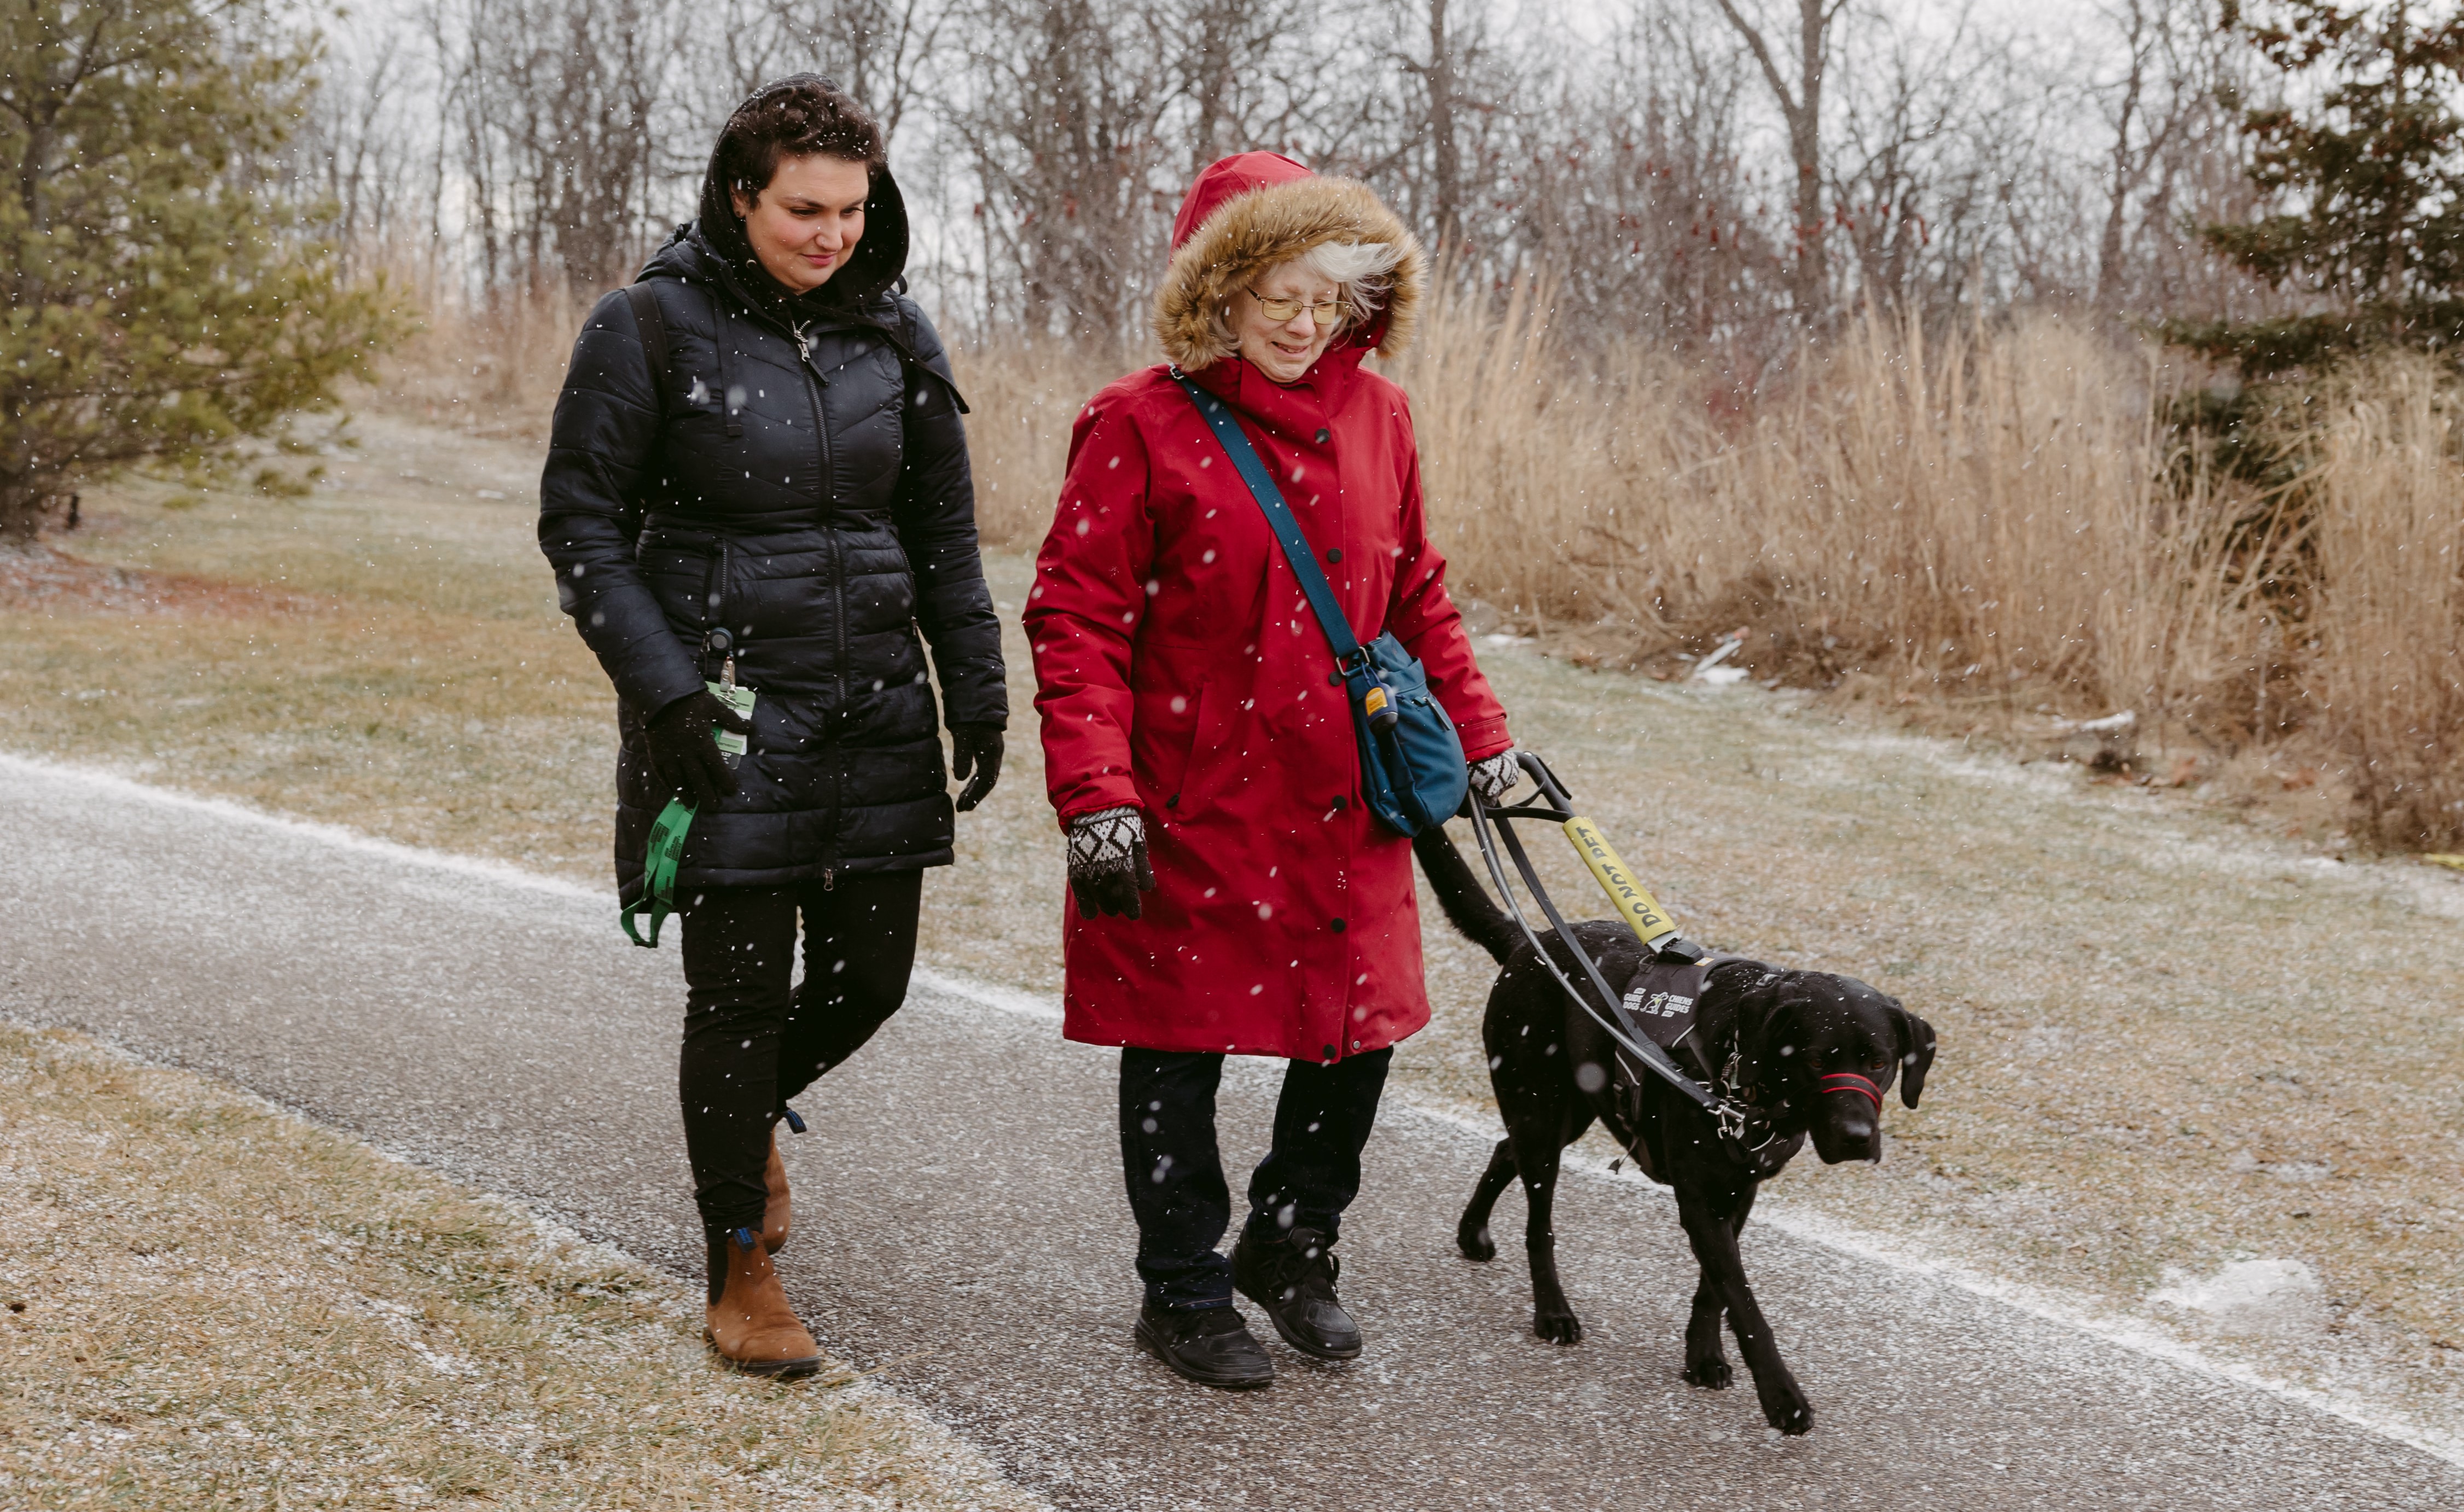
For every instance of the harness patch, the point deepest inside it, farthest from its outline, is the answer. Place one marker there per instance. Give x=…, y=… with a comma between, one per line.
x=1660, y=999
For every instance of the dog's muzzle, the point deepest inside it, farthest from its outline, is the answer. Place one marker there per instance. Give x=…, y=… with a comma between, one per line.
x=1856, y=1133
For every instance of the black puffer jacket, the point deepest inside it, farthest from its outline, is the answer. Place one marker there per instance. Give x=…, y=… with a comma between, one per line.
x=810, y=494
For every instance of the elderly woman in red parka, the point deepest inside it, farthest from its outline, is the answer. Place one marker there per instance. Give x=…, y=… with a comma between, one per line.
x=1235, y=896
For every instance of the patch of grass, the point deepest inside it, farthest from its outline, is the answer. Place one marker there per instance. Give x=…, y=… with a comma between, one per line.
x=398, y=665
x=211, y=1305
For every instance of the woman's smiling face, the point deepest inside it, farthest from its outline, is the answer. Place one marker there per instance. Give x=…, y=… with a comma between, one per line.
x=804, y=225
x=1284, y=350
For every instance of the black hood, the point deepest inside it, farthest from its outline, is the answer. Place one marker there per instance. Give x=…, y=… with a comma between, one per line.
x=718, y=231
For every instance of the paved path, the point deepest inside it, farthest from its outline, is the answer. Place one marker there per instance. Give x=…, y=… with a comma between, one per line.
x=959, y=1193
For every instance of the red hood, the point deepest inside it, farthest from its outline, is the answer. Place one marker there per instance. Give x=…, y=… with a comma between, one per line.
x=1227, y=179
x=1250, y=211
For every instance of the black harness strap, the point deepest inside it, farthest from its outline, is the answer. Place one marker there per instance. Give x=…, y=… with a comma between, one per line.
x=907, y=354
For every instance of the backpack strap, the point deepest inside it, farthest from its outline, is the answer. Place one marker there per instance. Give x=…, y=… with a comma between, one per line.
x=1297, y=551
x=653, y=328
x=902, y=340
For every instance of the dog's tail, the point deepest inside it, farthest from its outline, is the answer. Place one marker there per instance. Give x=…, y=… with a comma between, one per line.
x=1468, y=904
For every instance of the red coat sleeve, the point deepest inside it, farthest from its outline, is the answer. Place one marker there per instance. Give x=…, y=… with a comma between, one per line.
x=1082, y=615
x=1423, y=617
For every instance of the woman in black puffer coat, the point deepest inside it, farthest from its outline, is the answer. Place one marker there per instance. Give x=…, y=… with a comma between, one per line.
x=785, y=503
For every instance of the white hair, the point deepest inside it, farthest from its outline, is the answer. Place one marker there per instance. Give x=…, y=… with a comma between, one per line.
x=1364, y=269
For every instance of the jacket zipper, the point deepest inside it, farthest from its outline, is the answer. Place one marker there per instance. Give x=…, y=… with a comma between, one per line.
x=838, y=589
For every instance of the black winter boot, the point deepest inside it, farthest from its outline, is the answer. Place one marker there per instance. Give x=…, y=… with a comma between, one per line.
x=1210, y=1346
x=1293, y=1279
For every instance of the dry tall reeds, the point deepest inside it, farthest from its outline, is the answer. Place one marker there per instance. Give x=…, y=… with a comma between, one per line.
x=1023, y=393
x=1988, y=515
x=2389, y=532
x=490, y=365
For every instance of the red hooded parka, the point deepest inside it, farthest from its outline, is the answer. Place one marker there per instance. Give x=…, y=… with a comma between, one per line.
x=1180, y=671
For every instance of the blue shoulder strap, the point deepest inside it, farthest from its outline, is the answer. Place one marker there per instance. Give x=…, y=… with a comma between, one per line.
x=1279, y=518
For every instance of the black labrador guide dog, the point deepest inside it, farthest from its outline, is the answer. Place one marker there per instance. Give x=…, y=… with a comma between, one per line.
x=1813, y=1052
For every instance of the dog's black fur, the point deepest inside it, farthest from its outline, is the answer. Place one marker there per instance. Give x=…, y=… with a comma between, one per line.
x=1787, y=1028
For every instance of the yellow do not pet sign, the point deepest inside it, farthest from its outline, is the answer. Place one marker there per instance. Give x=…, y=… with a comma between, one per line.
x=1634, y=904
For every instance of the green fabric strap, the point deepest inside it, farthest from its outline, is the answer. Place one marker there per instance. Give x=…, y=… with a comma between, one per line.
x=659, y=871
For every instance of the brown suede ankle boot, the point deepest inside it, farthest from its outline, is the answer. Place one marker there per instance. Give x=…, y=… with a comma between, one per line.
x=751, y=1325
x=775, y=1216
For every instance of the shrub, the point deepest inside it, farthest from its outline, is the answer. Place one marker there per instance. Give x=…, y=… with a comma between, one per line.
x=162, y=301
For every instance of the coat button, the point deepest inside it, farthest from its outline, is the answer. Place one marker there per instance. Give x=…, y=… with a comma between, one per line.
x=1334, y=554
x=1330, y=1052
x=1173, y=802
x=1336, y=925
x=1324, y=436
x=1341, y=803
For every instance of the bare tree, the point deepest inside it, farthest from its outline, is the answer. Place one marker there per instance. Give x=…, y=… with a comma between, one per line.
x=1439, y=74
x=2146, y=29
x=1062, y=128
x=1800, y=108
x=875, y=50
x=1636, y=194
x=1248, y=75
x=360, y=148
x=1447, y=147
x=554, y=110
x=1919, y=161
x=1929, y=165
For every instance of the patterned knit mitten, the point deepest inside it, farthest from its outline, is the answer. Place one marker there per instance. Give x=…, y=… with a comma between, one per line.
x=1108, y=862
x=1492, y=778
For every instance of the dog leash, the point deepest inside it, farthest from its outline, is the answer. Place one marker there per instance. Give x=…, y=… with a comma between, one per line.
x=1637, y=910
x=659, y=859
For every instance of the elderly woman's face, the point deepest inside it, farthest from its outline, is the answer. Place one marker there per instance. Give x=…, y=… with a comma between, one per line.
x=806, y=223
x=1286, y=350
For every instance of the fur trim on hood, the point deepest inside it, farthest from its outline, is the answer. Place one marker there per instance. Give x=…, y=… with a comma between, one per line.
x=1253, y=227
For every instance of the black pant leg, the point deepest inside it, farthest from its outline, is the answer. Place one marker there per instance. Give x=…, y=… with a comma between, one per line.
x=859, y=951
x=1322, y=1122
x=740, y=950
x=1176, y=1174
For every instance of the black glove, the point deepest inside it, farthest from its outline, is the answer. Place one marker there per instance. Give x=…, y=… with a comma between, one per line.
x=974, y=748
x=684, y=756
x=1108, y=862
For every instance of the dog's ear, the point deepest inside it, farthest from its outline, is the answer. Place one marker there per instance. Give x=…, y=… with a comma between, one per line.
x=1770, y=1025
x=1916, y=1053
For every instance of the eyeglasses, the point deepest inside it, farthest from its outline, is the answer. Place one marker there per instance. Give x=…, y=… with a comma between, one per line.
x=1327, y=313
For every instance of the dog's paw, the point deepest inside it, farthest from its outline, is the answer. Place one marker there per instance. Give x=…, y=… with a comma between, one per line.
x=1476, y=1244
x=1713, y=1374
x=1559, y=1328
x=1791, y=1413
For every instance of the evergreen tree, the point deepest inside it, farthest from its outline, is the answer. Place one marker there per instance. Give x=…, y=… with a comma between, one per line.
x=164, y=300
x=2368, y=165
